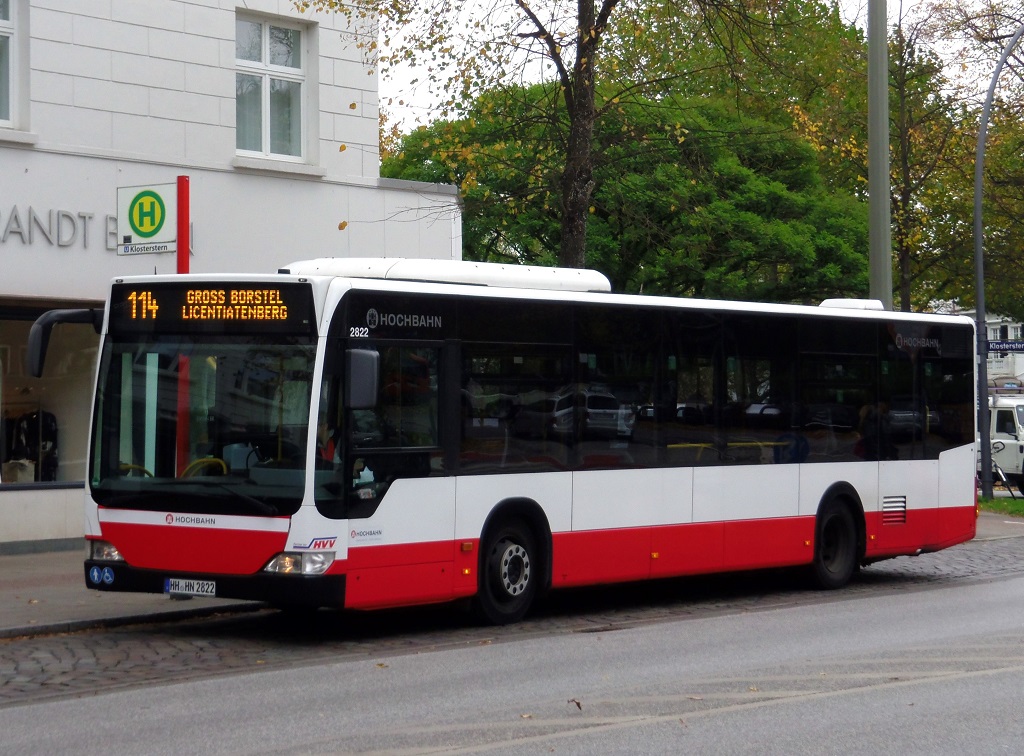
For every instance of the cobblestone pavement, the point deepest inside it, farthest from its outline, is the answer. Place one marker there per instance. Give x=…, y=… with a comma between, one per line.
x=88, y=662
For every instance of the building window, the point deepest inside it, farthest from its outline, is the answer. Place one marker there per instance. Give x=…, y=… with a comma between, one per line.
x=269, y=88
x=6, y=56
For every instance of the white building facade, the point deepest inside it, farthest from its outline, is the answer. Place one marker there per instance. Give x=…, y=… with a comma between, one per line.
x=1002, y=367
x=271, y=114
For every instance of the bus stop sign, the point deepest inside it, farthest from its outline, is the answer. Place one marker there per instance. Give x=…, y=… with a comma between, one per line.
x=147, y=219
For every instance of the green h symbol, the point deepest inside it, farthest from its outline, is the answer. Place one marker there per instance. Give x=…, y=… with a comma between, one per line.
x=147, y=209
x=146, y=213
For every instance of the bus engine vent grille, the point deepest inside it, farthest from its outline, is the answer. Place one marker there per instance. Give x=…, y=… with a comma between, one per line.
x=894, y=510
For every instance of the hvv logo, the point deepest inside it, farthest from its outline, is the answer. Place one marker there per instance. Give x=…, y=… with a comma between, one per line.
x=317, y=544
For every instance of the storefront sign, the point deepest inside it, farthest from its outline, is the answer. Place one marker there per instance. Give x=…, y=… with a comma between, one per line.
x=58, y=228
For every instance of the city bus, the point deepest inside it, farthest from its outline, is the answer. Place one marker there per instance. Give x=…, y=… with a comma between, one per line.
x=372, y=433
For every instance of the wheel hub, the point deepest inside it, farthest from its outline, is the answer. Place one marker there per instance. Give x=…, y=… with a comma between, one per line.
x=514, y=569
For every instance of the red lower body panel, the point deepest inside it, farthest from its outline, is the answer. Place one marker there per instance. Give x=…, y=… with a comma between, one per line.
x=422, y=573
x=920, y=530
x=199, y=550
x=608, y=556
x=397, y=575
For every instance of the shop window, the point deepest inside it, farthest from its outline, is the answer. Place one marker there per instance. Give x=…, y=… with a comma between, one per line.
x=44, y=421
x=270, y=88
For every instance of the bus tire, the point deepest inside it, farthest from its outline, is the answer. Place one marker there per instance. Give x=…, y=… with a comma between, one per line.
x=510, y=573
x=835, y=546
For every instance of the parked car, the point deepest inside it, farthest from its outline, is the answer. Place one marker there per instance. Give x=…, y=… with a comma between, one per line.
x=605, y=416
x=597, y=414
x=550, y=415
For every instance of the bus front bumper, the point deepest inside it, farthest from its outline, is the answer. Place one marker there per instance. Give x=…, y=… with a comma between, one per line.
x=282, y=590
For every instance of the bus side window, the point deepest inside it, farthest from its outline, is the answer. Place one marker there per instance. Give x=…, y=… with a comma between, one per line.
x=408, y=400
x=399, y=438
x=516, y=406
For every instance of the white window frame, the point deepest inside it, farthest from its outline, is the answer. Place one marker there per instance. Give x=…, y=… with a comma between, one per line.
x=9, y=31
x=265, y=71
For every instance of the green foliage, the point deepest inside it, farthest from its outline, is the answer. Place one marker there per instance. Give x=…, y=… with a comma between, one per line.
x=654, y=51
x=1001, y=505
x=623, y=132
x=689, y=199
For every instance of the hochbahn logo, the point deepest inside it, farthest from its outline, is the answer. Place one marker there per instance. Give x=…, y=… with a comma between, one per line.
x=178, y=519
x=917, y=342
x=375, y=319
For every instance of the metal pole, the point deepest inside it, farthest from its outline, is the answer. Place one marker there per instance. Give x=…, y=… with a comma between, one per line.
x=979, y=274
x=879, y=212
x=183, y=430
x=184, y=221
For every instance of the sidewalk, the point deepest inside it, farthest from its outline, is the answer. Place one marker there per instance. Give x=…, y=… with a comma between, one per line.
x=45, y=593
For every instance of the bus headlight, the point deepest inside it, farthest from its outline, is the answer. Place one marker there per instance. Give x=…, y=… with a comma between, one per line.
x=304, y=563
x=105, y=552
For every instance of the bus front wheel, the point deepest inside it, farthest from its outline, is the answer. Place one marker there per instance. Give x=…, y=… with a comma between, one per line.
x=509, y=573
x=835, y=546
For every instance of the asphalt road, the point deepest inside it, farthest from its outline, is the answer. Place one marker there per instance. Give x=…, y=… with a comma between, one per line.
x=918, y=655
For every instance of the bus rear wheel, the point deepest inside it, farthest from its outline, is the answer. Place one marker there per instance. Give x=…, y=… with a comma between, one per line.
x=509, y=573
x=835, y=547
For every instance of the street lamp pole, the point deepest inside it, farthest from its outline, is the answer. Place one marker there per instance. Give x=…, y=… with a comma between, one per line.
x=879, y=210
x=979, y=274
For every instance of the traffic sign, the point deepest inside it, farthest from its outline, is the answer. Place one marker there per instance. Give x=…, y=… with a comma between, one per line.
x=147, y=219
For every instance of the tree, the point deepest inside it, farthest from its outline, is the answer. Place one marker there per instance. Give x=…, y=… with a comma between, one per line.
x=468, y=47
x=980, y=31
x=929, y=153
x=931, y=156
x=689, y=198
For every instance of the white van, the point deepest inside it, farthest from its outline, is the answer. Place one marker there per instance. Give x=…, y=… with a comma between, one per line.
x=1006, y=429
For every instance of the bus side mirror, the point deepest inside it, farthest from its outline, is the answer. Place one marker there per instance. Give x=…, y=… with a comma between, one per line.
x=361, y=378
x=39, y=333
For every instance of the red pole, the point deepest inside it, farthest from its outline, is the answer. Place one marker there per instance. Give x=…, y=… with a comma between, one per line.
x=184, y=223
x=183, y=440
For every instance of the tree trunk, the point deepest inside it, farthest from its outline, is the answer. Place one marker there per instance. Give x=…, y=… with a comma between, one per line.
x=577, y=183
x=577, y=187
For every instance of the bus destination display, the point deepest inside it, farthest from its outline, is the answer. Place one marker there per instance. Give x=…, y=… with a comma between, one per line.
x=208, y=307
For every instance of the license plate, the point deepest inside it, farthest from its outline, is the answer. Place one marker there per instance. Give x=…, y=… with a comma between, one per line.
x=183, y=587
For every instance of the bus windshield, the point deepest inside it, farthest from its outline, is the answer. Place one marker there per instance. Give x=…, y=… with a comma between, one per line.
x=210, y=424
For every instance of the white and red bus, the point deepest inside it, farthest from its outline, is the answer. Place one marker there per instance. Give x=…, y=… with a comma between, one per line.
x=377, y=433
